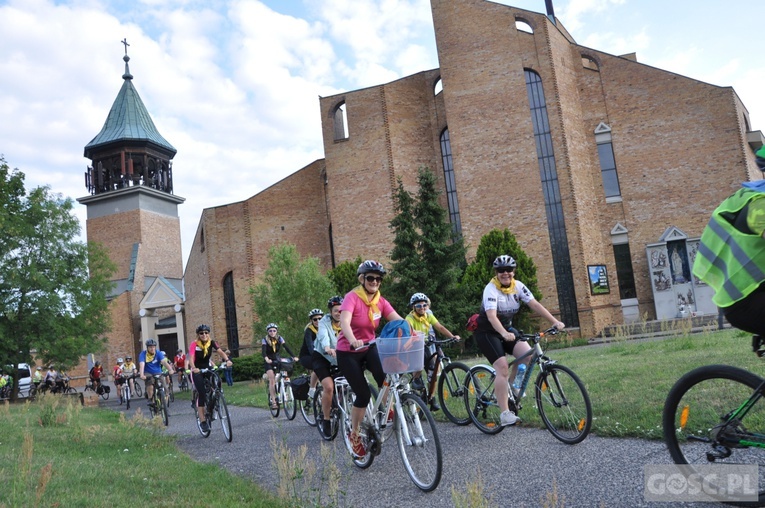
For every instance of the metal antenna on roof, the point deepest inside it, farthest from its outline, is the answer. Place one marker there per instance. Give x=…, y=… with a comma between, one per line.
x=126, y=58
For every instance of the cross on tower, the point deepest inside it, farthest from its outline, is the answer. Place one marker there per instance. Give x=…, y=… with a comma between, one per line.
x=125, y=42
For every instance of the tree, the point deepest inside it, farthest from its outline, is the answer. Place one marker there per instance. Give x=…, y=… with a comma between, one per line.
x=53, y=288
x=478, y=273
x=406, y=266
x=344, y=276
x=291, y=287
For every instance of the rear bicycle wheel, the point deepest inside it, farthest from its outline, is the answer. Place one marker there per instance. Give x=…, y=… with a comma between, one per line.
x=706, y=421
x=418, y=443
x=225, y=419
x=451, y=393
x=290, y=408
x=346, y=429
x=563, y=404
x=480, y=400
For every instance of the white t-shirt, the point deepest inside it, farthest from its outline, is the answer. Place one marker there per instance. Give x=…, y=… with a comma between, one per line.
x=506, y=305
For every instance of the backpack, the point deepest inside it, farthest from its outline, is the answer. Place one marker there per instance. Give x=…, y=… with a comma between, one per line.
x=472, y=323
x=300, y=386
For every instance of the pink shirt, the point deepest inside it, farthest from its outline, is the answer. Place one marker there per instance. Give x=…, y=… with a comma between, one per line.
x=362, y=327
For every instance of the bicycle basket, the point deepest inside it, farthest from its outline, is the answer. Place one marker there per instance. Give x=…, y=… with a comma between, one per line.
x=300, y=386
x=287, y=365
x=401, y=354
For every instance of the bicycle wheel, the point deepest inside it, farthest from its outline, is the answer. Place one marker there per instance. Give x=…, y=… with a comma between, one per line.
x=345, y=428
x=418, y=443
x=72, y=389
x=138, y=390
x=126, y=395
x=274, y=406
x=161, y=401
x=306, y=409
x=172, y=395
x=290, y=408
x=563, y=404
x=451, y=393
x=225, y=420
x=318, y=412
x=480, y=400
x=184, y=384
x=199, y=422
x=695, y=415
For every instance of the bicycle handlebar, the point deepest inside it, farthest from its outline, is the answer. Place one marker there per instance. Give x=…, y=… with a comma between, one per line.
x=536, y=336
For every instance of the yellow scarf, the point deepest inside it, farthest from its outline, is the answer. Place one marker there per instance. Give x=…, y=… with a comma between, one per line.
x=273, y=342
x=421, y=319
x=508, y=290
x=372, y=304
x=312, y=328
x=205, y=346
x=336, y=327
x=149, y=356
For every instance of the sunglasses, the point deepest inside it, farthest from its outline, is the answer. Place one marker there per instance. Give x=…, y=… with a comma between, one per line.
x=204, y=333
x=420, y=305
x=316, y=319
x=372, y=278
x=505, y=270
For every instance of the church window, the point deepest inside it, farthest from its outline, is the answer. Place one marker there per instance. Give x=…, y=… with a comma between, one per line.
x=229, y=305
x=340, y=122
x=451, y=185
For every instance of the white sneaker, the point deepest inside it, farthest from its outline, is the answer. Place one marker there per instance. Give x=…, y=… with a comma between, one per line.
x=311, y=391
x=508, y=418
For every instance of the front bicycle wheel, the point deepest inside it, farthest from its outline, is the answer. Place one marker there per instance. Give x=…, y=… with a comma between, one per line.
x=290, y=410
x=480, y=400
x=318, y=412
x=162, y=406
x=451, y=393
x=138, y=390
x=418, y=443
x=225, y=420
x=345, y=428
x=306, y=409
x=273, y=406
x=563, y=404
x=707, y=419
x=126, y=396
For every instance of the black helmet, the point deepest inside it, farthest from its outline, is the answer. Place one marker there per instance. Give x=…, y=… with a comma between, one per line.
x=179, y=351
x=335, y=300
x=128, y=357
x=504, y=261
x=315, y=312
x=370, y=265
x=418, y=297
x=203, y=328
x=151, y=342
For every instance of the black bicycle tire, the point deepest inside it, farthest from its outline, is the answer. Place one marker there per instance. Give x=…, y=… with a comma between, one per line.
x=685, y=384
x=306, y=410
x=224, y=416
x=163, y=406
x=422, y=416
x=444, y=379
x=271, y=404
x=583, y=423
x=137, y=388
x=475, y=406
x=127, y=396
x=290, y=404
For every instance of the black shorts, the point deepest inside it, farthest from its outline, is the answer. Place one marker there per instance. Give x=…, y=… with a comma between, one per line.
x=320, y=365
x=352, y=366
x=493, y=346
x=307, y=362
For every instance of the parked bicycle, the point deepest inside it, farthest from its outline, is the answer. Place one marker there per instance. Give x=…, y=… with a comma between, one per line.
x=158, y=404
x=716, y=415
x=451, y=381
x=412, y=422
x=559, y=395
x=284, y=396
x=216, y=407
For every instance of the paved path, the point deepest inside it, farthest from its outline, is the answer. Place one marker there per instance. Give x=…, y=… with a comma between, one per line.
x=519, y=467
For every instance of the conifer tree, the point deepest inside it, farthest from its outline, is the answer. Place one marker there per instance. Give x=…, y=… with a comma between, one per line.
x=406, y=270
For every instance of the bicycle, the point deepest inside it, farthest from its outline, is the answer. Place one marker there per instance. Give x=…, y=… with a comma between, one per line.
x=101, y=390
x=412, y=422
x=158, y=403
x=183, y=383
x=559, y=395
x=125, y=392
x=216, y=407
x=714, y=415
x=284, y=396
x=170, y=389
x=306, y=406
x=451, y=382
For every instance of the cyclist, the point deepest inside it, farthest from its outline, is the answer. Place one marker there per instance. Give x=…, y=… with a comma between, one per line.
x=119, y=378
x=129, y=369
x=306, y=350
x=180, y=364
x=37, y=378
x=150, y=362
x=271, y=345
x=324, y=356
x=422, y=320
x=200, y=354
x=360, y=313
x=730, y=256
x=52, y=378
x=96, y=371
x=495, y=337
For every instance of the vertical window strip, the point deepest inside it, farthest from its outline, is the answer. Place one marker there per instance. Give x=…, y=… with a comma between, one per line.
x=451, y=184
x=229, y=305
x=556, y=225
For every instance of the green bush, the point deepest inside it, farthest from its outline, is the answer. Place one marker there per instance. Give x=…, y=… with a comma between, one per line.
x=247, y=368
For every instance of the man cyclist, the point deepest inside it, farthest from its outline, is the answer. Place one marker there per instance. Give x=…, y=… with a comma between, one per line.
x=271, y=346
x=150, y=362
x=200, y=354
x=96, y=371
x=180, y=365
x=731, y=255
x=324, y=357
x=422, y=320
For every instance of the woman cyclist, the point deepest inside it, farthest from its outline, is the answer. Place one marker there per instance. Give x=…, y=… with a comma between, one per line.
x=199, y=357
x=360, y=314
x=502, y=299
x=325, y=356
x=271, y=346
x=306, y=350
x=422, y=320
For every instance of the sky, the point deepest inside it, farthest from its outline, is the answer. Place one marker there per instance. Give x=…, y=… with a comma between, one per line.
x=234, y=85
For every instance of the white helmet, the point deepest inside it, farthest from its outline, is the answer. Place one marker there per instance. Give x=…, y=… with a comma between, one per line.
x=119, y=360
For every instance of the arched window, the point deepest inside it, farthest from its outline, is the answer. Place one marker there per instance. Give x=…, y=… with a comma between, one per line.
x=556, y=225
x=438, y=87
x=229, y=304
x=340, y=122
x=523, y=26
x=451, y=185
x=590, y=63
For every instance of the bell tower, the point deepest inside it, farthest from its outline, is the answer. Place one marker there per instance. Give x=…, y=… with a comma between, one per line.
x=132, y=211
